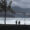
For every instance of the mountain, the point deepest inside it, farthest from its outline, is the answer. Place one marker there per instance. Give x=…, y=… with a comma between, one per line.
x=19, y=9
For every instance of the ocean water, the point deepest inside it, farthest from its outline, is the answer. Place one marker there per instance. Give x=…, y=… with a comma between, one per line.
x=18, y=17
x=23, y=21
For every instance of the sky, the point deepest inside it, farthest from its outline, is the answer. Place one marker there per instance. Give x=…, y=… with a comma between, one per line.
x=20, y=3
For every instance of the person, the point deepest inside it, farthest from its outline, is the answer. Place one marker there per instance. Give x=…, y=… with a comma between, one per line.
x=19, y=23
x=16, y=22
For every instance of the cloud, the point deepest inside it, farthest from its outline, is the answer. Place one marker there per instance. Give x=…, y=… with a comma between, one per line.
x=14, y=3
x=21, y=3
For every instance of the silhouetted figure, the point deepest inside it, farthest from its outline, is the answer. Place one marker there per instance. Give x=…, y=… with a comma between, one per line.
x=16, y=22
x=18, y=27
x=19, y=23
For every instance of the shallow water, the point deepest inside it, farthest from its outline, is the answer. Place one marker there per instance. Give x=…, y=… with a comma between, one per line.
x=23, y=21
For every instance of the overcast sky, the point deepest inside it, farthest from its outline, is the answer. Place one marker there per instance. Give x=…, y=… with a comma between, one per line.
x=20, y=3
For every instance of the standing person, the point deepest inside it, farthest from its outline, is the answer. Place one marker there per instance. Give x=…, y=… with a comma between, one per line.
x=16, y=22
x=19, y=23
